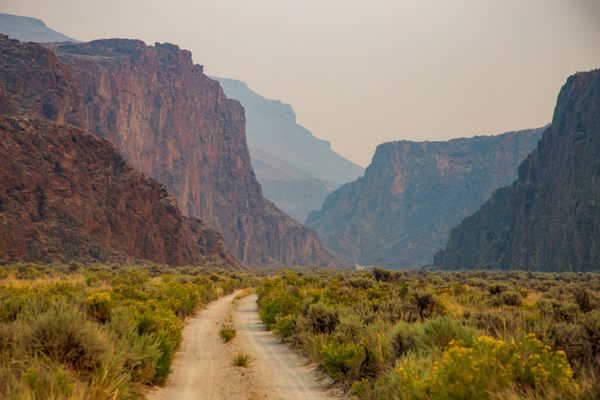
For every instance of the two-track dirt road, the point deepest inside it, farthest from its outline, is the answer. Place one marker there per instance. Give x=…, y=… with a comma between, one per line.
x=202, y=368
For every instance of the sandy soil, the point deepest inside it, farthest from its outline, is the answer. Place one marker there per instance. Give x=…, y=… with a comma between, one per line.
x=202, y=368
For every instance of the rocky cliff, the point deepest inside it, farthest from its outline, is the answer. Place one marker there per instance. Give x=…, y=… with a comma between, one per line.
x=296, y=169
x=67, y=194
x=400, y=212
x=171, y=122
x=549, y=218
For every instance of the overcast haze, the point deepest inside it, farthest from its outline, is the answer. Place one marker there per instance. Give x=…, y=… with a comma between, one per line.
x=359, y=73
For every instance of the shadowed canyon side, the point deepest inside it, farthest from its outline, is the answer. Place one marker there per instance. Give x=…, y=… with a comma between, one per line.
x=400, y=212
x=67, y=194
x=295, y=169
x=171, y=122
x=549, y=218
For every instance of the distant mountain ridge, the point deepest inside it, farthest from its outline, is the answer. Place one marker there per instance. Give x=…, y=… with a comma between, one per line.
x=400, y=212
x=279, y=145
x=27, y=29
x=549, y=218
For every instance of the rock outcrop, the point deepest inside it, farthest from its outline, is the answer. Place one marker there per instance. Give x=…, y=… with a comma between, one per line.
x=66, y=194
x=296, y=169
x=549, y=218
x=401, y=211
x=171, y=122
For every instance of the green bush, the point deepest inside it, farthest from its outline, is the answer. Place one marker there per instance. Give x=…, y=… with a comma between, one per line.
x=241, y=360
x=98, y=306
x=64, y=336
x=226, y=333
x=322, y=318
x=476, y=372
x=342, y=360
x=438, y=333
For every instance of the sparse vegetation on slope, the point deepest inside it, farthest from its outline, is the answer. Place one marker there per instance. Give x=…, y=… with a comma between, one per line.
x=441, y=335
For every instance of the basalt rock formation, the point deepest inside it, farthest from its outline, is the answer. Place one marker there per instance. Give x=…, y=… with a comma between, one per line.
x=401, y=211
x=295, y=169
x=549, y=218
x=171, y=122
x=66, y=194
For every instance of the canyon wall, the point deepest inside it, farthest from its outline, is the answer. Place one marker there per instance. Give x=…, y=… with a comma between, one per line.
x=549, y=218
x=171, y=122
x=66, y=194
x=400, y=212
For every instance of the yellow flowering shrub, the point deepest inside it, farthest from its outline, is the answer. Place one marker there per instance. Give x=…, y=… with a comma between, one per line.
x=488, y=366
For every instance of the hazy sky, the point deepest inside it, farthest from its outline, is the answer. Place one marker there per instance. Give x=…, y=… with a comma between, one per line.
x=359, y=73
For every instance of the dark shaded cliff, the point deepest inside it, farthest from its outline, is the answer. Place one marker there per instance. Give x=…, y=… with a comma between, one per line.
x=400, y=212
x=549, y=219
x=171, y=122
x=295, y=169
x=67, y=194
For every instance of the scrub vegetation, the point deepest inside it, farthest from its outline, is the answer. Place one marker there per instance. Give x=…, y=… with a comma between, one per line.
x=443, y=335
x=99, y=331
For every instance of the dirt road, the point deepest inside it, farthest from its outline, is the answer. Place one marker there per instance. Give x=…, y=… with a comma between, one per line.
x=284, y=374
x=202, y=368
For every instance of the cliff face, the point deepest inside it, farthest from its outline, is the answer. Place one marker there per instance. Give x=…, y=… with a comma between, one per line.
x=296, y=169
x=549, y=218
x=67, y=194
x=400, y=212
x=171, y=122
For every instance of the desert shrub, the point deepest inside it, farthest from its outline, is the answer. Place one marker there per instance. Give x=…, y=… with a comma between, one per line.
x=168, y=330
x=350, y=328
x=378, y=350
x=141, y=353
x=425, y=303
x=583, y=298
x=475, y=372
x=98, y=306
x=227, y=333
x=497, y=289
x=12, y=302
x=591, y=324
x=28, y=272
x=284, y=326
x=278, y=304
x=404, y=337
x=322, y=318
x=511, y=298
x=383, y=275
x=64, y=336
x=342, y=360
x=241, y=360
x=438, y=333
x=573, y=340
